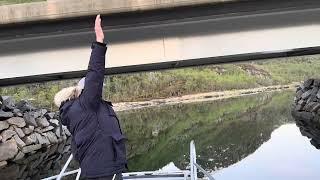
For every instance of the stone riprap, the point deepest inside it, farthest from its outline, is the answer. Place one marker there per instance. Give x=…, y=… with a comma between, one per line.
x=306, y=110
x=27, y=132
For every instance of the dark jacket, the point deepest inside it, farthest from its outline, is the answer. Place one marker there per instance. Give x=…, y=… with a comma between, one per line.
x=97, y=139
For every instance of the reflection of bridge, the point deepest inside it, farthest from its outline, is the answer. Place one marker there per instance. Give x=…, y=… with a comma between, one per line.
x=160, y=39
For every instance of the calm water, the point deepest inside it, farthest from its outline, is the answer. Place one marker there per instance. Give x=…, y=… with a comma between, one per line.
x=251, y=137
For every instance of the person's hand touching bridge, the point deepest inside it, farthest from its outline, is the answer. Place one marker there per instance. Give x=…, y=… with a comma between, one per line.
x=98, y=30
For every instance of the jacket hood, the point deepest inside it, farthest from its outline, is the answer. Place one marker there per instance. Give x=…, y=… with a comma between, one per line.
x=66, y=94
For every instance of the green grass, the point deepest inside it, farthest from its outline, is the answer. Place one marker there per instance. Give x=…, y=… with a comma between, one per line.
x=177, y=82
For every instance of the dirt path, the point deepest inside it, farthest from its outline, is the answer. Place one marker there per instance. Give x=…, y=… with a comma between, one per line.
x=210, y=96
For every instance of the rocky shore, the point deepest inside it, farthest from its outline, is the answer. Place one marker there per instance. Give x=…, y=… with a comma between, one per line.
x=30, y=138
x=306, y=110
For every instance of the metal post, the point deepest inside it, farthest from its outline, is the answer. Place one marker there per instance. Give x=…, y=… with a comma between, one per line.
x=78, y=175
x=193, y=160
x=65, y=167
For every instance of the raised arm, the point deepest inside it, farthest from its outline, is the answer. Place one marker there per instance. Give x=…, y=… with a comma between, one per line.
x=92, y=92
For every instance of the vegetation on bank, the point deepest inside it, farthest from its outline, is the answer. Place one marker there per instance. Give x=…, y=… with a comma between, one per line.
x=177, y=82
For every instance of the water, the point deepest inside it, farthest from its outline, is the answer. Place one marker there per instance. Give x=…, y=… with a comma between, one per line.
x=250, y=137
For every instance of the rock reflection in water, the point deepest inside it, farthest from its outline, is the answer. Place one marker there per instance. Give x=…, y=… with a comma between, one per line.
x=43, y=163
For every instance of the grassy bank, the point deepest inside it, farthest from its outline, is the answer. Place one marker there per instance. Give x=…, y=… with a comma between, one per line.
x=177, y=82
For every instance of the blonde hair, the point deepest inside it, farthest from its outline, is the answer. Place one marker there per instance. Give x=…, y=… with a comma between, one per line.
x=68, y=93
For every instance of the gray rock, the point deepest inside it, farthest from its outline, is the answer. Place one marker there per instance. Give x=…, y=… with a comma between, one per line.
x=1, y=102
x=5, y=115
x=308, y=83
x=42, y=139
x=30, y=148
x=7, y=134
x=66, y=149
x=66, y=131
x=54, y=122
x=25, y=106
x=3, y=164
x=8, y=150
x=49, y=128
x=42, y=122
x=18, y=121
x=51, y=137
x=4, y=125
x=31, y=139
x=19, y=142
x=56, y=115
x=28, y=130
x=316, y=107
x=49, y=115
x=60, y=148
x=43, y=112
x=316, y=83
x=306, y=95
x=310, y=106
x=19, y=132
x=10, y=172
x=19, y=114
x=30, y=119
x=19, y=156
x=8, y=103
x=57, y=132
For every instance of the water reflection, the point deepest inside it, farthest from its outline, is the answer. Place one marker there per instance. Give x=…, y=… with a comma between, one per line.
x=250, y=137
x=225, y=131
x=287, y=155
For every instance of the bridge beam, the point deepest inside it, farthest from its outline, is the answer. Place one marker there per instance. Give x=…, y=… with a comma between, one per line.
x=172, y=43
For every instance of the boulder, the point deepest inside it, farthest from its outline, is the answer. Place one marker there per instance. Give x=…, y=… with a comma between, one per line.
x=66, y=131
x=3, y=164
x=18, y=121
x=30, y=119
x=19, y=156
x=8, y=103
x=56, y=115
x=3, y=125
x=19, y=142
x=28, y=130
x=31, y=139
x=57, y=132
x=7, y=134
x=51, y=137
x=42, y=122
x=42, y=139
x=49, y=115
x=19, y=132
x=24, y=105
x=8, y=150
x=43, y=112
x=30, y=148
x=5, y=115
x=39, y=130
x=54, y=122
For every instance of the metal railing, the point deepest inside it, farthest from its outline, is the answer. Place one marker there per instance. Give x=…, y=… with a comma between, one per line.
x=193, y=164
x=193, y=167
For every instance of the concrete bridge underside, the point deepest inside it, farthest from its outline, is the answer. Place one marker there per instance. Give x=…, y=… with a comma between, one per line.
x=161, y=39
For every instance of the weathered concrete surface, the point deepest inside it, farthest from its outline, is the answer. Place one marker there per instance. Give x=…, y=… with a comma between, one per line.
x=58, y=9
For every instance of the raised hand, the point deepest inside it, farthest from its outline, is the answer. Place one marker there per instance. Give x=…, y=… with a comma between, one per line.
x=98, y=30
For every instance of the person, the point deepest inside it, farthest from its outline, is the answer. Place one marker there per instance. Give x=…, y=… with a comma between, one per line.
x=98, y=143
